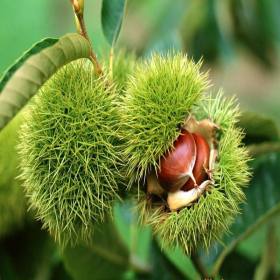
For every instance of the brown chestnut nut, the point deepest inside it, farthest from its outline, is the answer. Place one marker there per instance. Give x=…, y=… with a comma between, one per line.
x=176, y=166
x=201, y=163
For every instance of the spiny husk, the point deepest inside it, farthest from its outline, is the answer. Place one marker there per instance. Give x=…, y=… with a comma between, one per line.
x=69, y=159
x=123, y=67
x=210, y=217
x=159, y=97
x=124, y=64
x=12, y=202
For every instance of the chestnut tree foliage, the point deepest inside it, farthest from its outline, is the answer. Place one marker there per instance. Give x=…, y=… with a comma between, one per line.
x=89, y=152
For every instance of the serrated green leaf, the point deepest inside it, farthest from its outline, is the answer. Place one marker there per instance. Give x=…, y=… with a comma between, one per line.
x=112, y=257
x=229, y=271
x=253, y=246
x=111, y=17
x=267, y=265
x=146, y=255
x=32, y=71
x=182, y=262
x=258, y=128
x=105, y=258
x=137, y=238
x=28, y=254
x=12, y=200
x=162, y=268
x=263, y=202
x=36, y=48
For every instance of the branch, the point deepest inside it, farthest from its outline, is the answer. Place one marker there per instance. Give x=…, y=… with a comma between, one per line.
x=78, y=7
x=262, y=148
x=218, y=263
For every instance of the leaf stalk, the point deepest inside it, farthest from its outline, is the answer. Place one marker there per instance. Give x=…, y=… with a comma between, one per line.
x=78, y=9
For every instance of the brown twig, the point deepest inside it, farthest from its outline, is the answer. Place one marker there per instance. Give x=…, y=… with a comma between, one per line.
x=80, y=22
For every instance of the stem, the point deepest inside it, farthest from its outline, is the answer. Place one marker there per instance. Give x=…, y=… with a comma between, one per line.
x=199, y=266
x=266, y=147
x=234, y=243
x=79, y=14
x=267, y=265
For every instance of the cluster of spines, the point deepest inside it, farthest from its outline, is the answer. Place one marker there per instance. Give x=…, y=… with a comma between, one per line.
x=68, y=156
x=208, y=219
x=138, y=128
x=158, y=98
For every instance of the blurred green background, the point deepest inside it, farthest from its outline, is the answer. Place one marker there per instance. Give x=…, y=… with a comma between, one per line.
x=239, y=41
